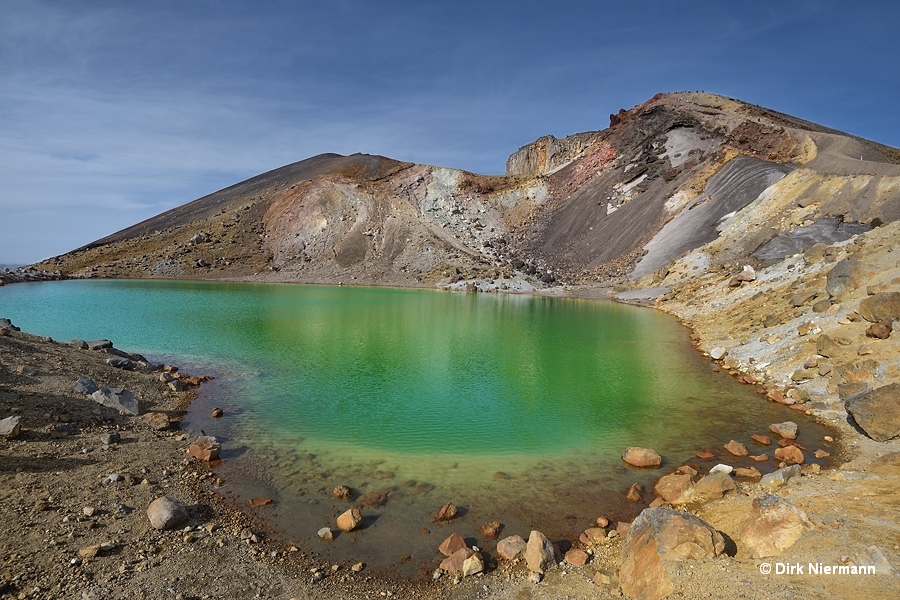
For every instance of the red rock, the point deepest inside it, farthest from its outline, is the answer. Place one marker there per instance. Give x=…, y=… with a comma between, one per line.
x=602, y=521
x=789, y=454
x=736, y=448
x=686, y=470
x=776, y=395
x=672, y=487
x=784, y=442
x=622, y=527
x=452, y=544
x=260, y=501
x=593, y=536
x=577, y=557
x=705, y=455
x=205, y=448
x=454, y=563
x=761, y=439
x=822, y=454
x=491, y=530
x=511, y=548
x=446, y=512
x=760, y=457
x=751, y=472
x=158, y=421
x=350, y=520
x=658, y=502
x=658, y=540
x=217, y=413
x=642, y=457
x=635, y=493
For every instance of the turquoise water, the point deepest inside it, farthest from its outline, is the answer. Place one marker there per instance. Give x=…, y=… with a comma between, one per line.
x=400, y=370
x=516, y=408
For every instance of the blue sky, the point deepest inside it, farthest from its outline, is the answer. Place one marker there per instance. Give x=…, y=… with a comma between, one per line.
x=113, y=111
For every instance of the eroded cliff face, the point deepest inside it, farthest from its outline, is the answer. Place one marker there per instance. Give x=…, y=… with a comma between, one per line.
x=548, y=154
x=612, y=207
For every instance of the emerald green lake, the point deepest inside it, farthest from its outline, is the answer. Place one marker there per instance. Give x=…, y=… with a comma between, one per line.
x=515, y=407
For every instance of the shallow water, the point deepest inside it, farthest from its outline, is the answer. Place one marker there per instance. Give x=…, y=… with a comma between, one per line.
x=515, y=408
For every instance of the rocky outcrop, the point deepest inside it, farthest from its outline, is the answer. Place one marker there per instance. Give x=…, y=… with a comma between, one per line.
x=658, y=540
x=548, y=154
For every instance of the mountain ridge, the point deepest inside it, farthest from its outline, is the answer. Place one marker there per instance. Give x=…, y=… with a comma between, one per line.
x=575, y=210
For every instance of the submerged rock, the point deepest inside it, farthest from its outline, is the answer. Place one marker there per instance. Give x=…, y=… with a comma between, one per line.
x=788, y=429
x=446, y=512
x=642, y=457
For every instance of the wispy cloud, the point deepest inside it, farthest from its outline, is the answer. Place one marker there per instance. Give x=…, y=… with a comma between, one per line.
x=111, y=112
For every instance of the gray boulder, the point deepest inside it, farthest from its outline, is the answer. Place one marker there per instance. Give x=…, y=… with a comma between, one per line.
x=10, y=427
x=846, y=276
x=773, y=526
x=120, y=363
x=877, y=412
x=117, y=398
x=539, y=554
x=86, y=386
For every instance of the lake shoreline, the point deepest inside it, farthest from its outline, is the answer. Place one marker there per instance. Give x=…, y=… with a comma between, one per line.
x=198, y=486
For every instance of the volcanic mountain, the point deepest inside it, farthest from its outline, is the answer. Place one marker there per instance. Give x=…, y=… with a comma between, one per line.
x=611, y=206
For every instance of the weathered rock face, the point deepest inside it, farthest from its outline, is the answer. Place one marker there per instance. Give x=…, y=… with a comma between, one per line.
x=773, y=525
x=547, y=154
x=166, y=513
x=658, y=539
x=877, y=412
